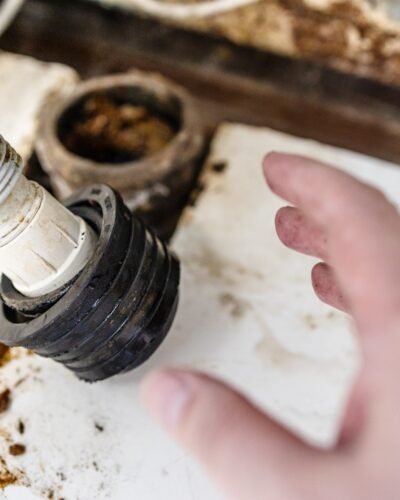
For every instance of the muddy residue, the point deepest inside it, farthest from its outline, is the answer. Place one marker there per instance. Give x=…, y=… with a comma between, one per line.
x=5, y=355
x=236, y=306
x=17, y=449
x=199, y=188
x=331, y=314
x=219, y=167
x=7, y=477
x=219, y=268
x=310, y=322
x=8, y=354
x=341, y=34
x=328, y=39
x=272, y=352
x=5, y=400
x=107, y=131
x=99, y=427
x=21, y=427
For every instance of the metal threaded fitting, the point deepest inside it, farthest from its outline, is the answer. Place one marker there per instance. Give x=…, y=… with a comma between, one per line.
x=43, y=245
x=11, y=166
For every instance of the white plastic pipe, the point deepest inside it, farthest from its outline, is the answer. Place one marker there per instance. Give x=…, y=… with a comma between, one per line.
x=182, y=11
x=8, y=12
x=43, y=245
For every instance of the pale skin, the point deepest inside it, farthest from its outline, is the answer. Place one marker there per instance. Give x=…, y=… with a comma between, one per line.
x=355, y=231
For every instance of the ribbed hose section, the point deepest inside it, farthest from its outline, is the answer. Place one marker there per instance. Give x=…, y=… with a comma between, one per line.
x=119, y=309
x=145, y=315
x=11, y=166
x=131, y=320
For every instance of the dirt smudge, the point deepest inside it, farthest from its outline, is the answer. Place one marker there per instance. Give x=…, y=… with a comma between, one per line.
x=236, y=306
x=310, y=322
x=5, y=400
x=17, y=449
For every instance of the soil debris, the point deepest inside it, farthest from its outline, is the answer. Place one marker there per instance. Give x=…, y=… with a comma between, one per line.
x=21, y=427
x=5, y=354
x=219, y=167
x=237, y=307
x=5, y=400
x=99, y=427
x=7, y=478
x=17, y=449
x=107, y=131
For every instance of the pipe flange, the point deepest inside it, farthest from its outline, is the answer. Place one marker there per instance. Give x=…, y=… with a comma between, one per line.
x=28, y=307
x=155, y=185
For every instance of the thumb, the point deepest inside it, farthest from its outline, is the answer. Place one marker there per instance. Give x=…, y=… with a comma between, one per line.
x=244, y=451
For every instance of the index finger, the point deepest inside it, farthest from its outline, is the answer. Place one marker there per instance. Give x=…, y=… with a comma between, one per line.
x=362, y=228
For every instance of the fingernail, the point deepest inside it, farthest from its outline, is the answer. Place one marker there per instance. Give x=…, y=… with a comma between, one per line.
x=271, y=156
x=166, y=394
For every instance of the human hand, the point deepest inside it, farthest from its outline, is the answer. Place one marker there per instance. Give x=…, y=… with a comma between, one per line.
x=356, y=232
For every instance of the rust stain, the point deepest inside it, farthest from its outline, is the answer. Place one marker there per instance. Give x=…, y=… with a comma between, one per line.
x=109, y=132
x=7, y=477
x=8, y=354
x=17, y=449
x=320, y=39
x=5, y=355
x=347, y=10
x=5, y=400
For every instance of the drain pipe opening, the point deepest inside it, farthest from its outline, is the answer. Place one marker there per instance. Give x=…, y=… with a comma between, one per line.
x=138, y=133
